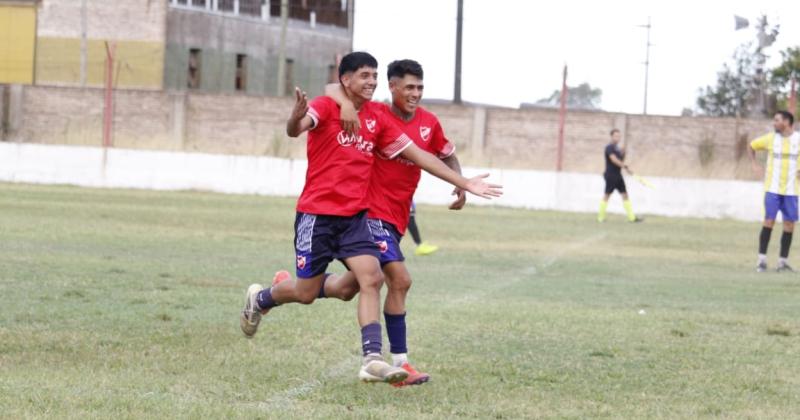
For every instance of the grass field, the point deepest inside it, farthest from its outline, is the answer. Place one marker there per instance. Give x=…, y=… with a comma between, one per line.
x=125, y=304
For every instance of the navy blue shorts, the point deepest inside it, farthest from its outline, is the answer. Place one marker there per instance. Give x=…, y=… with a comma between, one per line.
x=786, y=204
x=388, y=239
x=319, y=239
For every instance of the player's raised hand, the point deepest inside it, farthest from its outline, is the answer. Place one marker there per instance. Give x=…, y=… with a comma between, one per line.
x=461, y=199
x=477, y=186
x=348, y=116
x=300, y=104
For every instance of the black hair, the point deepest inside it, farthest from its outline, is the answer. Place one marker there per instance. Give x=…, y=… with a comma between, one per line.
x=400, y=68
x=786, y=116
x=356, y=60
x=615, y=130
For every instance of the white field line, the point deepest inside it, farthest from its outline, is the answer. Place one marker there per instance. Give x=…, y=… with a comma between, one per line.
x=287, y=398
x=349, y=365
x=514, y=278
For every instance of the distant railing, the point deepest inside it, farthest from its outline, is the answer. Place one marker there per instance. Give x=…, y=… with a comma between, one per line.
x=330, y=12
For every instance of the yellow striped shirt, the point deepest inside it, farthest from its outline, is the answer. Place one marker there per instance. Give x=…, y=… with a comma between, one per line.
x=782, y=157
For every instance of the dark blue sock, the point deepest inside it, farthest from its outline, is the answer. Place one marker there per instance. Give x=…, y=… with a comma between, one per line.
x=396, y=329
x=265, y=300
x=322, y=289
x=371, y=338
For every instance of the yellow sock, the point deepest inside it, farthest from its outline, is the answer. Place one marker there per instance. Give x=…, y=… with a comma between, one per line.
x=629, y=210
x=601, y=216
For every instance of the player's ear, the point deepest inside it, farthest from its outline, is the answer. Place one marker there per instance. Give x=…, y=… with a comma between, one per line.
x=345, y=79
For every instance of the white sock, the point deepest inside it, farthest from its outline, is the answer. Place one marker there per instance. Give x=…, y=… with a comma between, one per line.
x=762, y=258
x=781, y=260
x=399, y=359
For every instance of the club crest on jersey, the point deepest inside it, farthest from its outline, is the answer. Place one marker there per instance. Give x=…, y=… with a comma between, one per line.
x=301, y=262
x=425, y=133
x=383, y=246
x=370, y=125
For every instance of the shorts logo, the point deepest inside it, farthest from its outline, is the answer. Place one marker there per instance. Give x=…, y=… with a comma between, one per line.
x=370, y=125
x=383, y=246
x=301, y=262
x=425, y=133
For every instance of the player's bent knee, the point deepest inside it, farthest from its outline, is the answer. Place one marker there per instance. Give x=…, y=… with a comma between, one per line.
x=401, y=283
x=371, y=281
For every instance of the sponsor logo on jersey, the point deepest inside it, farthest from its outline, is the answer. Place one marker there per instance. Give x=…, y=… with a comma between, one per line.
x=356, y=141
x=425, y=133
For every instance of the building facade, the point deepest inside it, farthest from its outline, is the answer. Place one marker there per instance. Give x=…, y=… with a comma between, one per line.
x=205, y=45
x=230, y=46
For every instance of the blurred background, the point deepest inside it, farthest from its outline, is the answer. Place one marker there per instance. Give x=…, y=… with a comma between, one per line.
x=688, y=83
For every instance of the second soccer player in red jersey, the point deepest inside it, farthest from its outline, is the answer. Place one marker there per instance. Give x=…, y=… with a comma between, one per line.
x=331, y=220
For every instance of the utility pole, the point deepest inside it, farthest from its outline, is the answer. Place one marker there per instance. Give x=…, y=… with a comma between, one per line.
x=282, y=49
x=350, y=21
x=84, y=47
x=562, y=119
x=459, y=30
x=646, y=63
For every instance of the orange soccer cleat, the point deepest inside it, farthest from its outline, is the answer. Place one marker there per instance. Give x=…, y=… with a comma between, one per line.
x=414, y=377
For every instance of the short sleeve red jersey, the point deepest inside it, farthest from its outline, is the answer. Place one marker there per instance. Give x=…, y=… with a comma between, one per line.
x=394, y=181
x=339, y=164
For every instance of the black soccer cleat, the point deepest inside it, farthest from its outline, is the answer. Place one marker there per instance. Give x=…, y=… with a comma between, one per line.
x=761, y=267
x=784, y=268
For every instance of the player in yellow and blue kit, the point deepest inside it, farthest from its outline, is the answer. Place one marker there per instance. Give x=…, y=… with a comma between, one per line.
x=780, y=182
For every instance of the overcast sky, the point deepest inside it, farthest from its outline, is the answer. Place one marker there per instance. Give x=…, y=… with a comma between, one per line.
x=514, y=50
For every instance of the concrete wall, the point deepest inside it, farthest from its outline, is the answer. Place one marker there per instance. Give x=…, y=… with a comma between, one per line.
x=137, y=27
x=565, y=191
x=221, y=37
x=254, y=125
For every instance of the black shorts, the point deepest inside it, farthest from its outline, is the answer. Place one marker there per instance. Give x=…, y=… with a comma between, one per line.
x=319, y=239
x=615, y=182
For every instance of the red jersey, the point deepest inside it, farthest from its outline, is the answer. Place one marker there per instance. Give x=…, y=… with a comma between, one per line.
x=340, y=165
x=394, y=181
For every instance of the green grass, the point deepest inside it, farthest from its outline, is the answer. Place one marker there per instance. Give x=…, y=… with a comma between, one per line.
x=124, y=304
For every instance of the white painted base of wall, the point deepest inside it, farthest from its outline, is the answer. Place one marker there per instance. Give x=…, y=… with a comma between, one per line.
x=541, y=190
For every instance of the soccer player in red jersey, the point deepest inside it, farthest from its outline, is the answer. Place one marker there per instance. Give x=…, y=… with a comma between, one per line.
x=391, y=191
x=331, y=220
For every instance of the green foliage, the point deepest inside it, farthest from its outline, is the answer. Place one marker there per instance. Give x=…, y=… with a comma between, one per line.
x=583, y=96
x=733, y=94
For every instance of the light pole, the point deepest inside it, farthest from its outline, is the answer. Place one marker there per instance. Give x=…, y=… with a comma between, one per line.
x=646, y=63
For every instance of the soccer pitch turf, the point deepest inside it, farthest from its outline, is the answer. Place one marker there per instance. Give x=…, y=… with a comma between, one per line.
x=125, y=304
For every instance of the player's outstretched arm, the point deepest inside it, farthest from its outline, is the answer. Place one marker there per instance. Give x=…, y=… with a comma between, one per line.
x=299, y=121
x=348, y=115
x=437, y=168
x=461, y=195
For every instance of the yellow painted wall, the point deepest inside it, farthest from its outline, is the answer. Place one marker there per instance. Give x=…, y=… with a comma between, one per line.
x=17, y=44
x=138, y=63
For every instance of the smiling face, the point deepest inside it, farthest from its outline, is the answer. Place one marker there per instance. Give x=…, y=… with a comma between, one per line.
x=361, y=83
x=406, y=92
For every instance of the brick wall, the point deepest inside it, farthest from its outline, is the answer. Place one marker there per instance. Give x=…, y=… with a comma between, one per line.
x=253, y=125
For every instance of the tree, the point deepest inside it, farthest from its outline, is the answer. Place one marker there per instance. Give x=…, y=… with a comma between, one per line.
x=742, y=87
x=781, y=77
x=733, y=94
x=582, y=96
